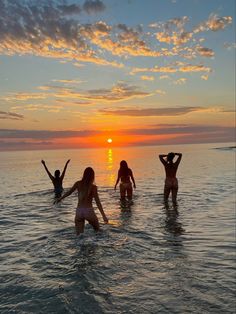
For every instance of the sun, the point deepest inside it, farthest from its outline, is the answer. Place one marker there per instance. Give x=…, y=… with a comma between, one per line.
x=109, y=140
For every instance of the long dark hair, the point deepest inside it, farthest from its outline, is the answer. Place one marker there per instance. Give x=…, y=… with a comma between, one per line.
x=86, y=183
x=124, y=169
x=170, y=157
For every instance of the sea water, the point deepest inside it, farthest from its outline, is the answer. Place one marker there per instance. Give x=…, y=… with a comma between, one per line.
x=148, y=259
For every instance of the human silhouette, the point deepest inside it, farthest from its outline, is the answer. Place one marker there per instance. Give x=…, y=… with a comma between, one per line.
x=124, y=176
x=87, y=191
x=171, y=182
x=57, y=179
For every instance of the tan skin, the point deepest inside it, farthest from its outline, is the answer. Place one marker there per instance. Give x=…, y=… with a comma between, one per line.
x=170, y=170
x=86, y=203
x=125, y=179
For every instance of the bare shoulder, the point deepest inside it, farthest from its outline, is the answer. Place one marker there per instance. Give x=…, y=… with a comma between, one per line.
x=77, y=184
x=94, y=187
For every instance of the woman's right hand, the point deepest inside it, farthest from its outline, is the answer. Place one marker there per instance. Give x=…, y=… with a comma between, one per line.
x=57, y=200
x=105, y=219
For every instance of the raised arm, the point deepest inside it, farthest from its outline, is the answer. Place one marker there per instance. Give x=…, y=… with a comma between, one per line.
x=64, y=170
x=48, y=172
x=132, y=178
x=118, y=179
x=163, y=161
x=178, y=159
x=69, y=192
x=99, y=205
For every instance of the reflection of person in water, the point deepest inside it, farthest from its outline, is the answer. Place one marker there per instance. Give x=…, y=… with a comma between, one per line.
x=124, y=176
x=172, y=225
x=171, y=182
x=57, y=180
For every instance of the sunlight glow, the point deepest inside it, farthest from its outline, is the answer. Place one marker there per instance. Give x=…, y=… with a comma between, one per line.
x=109, y=140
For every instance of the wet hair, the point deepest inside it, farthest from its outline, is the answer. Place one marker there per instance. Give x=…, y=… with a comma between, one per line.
x=124, y=169
x=170, y=157
x=57, y=173
x=86, y=183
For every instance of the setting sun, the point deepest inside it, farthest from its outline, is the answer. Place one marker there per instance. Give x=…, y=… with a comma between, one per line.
x=109, y=140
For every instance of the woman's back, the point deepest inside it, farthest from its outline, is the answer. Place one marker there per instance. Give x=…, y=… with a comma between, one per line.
x=85, y=194
x=125, y=175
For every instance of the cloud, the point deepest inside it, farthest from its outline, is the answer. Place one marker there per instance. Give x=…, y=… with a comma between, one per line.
x=69, y=9
x=230, y=46
x=118, y=92
x=152, y=111
x=178, y=67
x=180, y=81
x=53, y=29
x=4, y=115
x=44, y=30
x=214, y=23
x=159, y=91
x=40, y=107
x=205, y=52
x=68, y=81
x=204, y=77
x=24, y=96
x=43, y=134
x=11, y=139
x=164, y=77
x=93, y=6
x=147, y=78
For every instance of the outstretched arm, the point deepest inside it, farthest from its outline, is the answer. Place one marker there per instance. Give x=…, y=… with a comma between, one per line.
x=69, y=192
x=48, y=172
x=163, y=161
x=179, y=158
x=99, y=205
x=64, y=170
x=118, y=179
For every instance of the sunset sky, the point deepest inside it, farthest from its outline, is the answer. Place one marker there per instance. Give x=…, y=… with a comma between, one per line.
x=75, y=73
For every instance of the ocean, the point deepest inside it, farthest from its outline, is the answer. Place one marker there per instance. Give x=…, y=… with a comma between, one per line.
x=148, y=259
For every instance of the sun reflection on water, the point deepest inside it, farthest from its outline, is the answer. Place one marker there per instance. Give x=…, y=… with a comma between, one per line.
x=110, y=172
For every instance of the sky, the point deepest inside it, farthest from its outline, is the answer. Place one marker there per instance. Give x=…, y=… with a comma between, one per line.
x=76, y=73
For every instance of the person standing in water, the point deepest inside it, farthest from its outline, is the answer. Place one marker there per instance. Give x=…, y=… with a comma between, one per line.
x=124, y=176
x=57, y=179
x=171, y=182
x=87, y=191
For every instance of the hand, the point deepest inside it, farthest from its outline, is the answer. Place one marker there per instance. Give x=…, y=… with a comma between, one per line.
x=68, y=161
x=105, y=220
x=134, y=186
x=43, y=162
x=57, y=200
x=115, y=187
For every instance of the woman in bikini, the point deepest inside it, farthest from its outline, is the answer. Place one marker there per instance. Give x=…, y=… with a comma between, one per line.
x=171, y=182
x=124, y=176
x=87, y=191
x=57, y=179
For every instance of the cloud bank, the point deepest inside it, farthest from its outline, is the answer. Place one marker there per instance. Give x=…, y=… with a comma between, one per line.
x=52, y=29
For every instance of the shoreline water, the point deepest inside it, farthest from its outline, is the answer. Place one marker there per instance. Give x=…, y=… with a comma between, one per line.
x=147, y=260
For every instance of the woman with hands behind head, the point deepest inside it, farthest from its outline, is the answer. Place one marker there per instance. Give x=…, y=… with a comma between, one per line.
x=57, y=179
x=87, y=191
x=171, y=182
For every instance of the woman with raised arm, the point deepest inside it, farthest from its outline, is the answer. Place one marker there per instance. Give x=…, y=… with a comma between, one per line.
x=171, y=182
x=124, y=176
x=87, y=191
x=57, y=179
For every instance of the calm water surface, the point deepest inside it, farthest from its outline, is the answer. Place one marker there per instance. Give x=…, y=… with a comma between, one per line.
x=147, y=260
